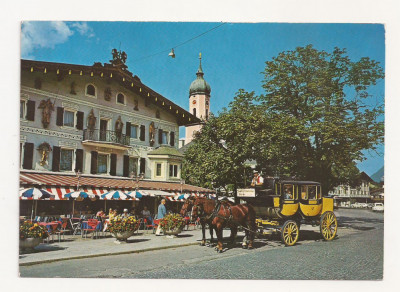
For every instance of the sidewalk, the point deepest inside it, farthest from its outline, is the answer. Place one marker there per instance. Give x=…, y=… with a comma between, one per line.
x=75, y=247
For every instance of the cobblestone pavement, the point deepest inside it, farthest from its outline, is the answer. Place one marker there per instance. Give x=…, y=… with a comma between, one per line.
x=356, y=254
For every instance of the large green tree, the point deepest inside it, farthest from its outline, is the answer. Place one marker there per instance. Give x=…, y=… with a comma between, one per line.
x=313, y=122
x=322, y=114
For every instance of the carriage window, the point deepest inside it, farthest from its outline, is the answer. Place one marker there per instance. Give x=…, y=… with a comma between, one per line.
x=312, y=192
x=304, y=192
x=319, y=192
x=288, y=192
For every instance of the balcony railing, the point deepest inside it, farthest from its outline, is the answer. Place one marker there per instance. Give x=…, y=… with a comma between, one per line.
x=106, y=136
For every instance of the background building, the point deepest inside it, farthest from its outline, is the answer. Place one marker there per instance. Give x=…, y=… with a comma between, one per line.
x=199, y=103
x=102, y=121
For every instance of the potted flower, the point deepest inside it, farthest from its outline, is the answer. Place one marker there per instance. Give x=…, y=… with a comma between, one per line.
x=172, y=224
x=31, y=234
x=123, y=228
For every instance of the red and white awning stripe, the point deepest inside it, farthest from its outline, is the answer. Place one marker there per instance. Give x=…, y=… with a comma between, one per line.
x=59, y=192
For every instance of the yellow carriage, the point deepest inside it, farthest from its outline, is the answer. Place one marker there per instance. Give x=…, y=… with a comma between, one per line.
x=283, y=205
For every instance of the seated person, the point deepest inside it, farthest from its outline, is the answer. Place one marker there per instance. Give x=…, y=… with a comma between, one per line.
x=288, y=192
x=146, y=215
x=125, y=214
x=258, y=180
x=100, y=214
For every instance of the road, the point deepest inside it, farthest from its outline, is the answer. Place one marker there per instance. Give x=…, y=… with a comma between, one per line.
x=356, y=254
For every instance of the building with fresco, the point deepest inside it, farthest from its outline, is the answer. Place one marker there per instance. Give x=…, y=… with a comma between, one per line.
x=102, y=122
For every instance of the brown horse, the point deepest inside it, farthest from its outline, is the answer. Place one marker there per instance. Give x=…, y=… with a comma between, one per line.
x=187, y=207
x=225, y=214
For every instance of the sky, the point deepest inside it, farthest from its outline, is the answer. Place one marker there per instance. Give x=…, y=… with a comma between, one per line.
x=233, y=54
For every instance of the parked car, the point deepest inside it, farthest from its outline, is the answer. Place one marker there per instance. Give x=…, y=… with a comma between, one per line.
x=378, y=207
x=363, y=205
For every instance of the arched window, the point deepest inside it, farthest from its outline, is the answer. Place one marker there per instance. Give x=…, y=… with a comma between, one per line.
x=91, y=90
x=194, y=112
x=120, y=98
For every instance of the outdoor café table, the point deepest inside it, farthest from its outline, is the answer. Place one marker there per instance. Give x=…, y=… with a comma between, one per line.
x=51, y=226
x=99, y=226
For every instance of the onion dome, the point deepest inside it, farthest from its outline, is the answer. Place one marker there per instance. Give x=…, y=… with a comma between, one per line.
x=199, y=85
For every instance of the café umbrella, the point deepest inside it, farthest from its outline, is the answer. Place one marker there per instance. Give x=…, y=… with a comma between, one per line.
x=35, y=194
x=135, y=195
x=114, y=195
x=78, y=196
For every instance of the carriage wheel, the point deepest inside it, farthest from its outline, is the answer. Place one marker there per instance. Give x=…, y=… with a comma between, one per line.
x=290, y=233
x=328, y=225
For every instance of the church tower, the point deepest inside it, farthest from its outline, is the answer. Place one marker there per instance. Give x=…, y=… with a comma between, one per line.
x=199, y=102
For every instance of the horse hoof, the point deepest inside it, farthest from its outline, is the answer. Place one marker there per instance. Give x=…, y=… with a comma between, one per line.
x=244, y=246
x=202, y=244
x=219, y=250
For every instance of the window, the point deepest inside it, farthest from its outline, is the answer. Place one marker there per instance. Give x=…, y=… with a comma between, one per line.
x=22, y=105
x=304, y=193
x=164, y=138
x=69, y=117
x=206, y=114
x=120, y=98
x=66, y=158
x=133, y=165
x=91, y=90
x=102, y=163
x=134, y=131
x=194, y=112
x=312, y=192
x=288, y=192
x=158, y=169
x=173, y=170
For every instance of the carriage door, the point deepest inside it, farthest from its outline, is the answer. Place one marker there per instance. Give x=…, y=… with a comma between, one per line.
x=310, y=200
x=103, y=129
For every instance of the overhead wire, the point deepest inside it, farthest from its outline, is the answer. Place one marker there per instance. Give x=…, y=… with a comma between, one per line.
x=181, y=44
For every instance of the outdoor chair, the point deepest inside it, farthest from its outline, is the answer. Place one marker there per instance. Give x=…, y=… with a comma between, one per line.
x=147, y=226
x=76, y=226
x=140, y=222
x=91, y=227
x=61, y=232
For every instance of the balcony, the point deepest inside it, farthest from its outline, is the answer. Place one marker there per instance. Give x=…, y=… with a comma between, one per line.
x=105, y=138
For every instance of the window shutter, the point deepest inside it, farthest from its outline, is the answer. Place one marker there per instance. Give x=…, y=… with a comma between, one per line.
x=79, y=160
x=126, y=166
x=128, y=129
x=142, y=132
x=93, y=164
x=143, y=165
x=113, y=164
x=28, y=156
x=160, y=136
x=172, y=139
x=56, y=158
x=79, y=120
x=30, y=110
x=60, y=116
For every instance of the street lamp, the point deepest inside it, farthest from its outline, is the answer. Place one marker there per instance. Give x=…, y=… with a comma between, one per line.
x=78, y=175
x=136, y=178
x=182, y=181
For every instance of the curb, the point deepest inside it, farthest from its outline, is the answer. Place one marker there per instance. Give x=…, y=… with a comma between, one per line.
x=105, y=254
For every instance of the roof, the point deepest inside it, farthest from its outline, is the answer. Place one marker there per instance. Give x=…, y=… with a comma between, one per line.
x=165, y=150
x=199, y=85
x=118, y=74
x=299, y=182
x=65, y=180
x=185, y=147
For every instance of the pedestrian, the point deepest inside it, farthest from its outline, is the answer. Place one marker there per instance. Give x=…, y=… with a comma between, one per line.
x=146, y=215
x=162, y=211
